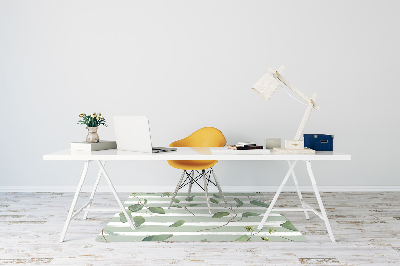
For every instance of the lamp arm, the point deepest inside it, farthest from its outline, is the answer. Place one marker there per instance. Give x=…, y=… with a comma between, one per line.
x=293, y=88
x=305, y=117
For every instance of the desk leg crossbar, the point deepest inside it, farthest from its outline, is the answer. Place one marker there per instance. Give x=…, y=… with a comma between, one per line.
x=86, y=207
x=305, y=206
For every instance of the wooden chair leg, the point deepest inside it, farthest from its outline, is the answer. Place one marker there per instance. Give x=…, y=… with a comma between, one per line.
x=177, y=188
x=191, y=182
x=218, y=186
x=206, y=190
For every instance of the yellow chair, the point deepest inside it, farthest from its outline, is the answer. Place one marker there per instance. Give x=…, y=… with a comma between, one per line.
x=204, y=137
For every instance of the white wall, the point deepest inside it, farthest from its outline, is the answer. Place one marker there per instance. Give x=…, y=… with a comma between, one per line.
x=189, y=64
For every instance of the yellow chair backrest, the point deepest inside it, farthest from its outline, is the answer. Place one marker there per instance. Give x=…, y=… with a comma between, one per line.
x=204, y=137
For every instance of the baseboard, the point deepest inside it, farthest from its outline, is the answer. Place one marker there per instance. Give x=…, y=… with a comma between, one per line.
x=196, y=189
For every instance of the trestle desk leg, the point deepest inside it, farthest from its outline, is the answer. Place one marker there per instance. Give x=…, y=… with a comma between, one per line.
x=276, y=196
x=116, y=196
x=299, y=192
x=93, y=192
x=321, y=205
x=71, y=210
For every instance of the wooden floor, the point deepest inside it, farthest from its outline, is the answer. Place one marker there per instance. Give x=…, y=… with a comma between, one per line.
x=365, y=224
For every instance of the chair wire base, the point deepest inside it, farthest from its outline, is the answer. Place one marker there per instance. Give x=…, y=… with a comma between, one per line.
x=192, y=177
x=196, y=176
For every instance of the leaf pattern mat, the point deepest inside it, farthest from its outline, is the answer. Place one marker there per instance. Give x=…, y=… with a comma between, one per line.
x=188, y=219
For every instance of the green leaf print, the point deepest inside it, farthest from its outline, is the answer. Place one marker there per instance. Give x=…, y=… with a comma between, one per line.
x=159, y=210
x=145, y=201
x=216, y=196
x=193, y=205
x=247, y=214
x=220, y=214
x=239, y=202
x=165, y=194
x=289, y=225
x=177, y=206
x=259, y=203
x=176, y=201
x=135, y=207
x=156, y=238
x=214, y=201
x=111, y=233
x=177, y=223
x=122, y=217
x=138, y=220
x=189, y=198
x=243, y=238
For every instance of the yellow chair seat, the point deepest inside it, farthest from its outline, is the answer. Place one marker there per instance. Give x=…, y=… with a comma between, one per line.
x=191, y=164
x=204, y=137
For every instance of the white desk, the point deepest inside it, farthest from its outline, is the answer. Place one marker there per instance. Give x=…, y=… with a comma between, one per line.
x=194, y=154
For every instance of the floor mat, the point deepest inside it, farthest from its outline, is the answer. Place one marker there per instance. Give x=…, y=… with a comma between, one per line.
x=188, y=219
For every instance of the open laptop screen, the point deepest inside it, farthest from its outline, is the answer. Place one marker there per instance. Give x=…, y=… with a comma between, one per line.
x=132, y=133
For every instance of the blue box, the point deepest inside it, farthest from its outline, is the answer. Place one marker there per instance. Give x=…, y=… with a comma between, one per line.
x=318, y=142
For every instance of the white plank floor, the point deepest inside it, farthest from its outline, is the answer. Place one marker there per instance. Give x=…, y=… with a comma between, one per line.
x=366, y=226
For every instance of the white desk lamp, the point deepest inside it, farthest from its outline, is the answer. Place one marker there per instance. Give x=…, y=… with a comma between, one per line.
x=266, y=86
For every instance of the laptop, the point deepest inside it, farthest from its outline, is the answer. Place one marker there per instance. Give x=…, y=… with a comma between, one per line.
x=133, y=134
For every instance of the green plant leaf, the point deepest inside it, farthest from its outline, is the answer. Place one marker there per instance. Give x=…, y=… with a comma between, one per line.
x=145, y=201
x=138, y=220
x=204, y=240
x=177, y=223
x=177, y=206
x=243, y=238
x=159, y=210
x=214, y=201
x=220, y=214
x=289, y=225
x=193, y=204
x=135, y=207
x=216, y=196
x=247, y=214
x=156, y=238
x=176, y=201
x=165, y=194
x=239, y=202
x=189, y=198
x=259, y=203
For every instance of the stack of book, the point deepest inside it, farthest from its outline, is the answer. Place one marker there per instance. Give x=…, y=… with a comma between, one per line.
x=240, y=148
x=98, y=146
x=245, y=146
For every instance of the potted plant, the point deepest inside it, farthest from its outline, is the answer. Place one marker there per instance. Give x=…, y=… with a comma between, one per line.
x=92, y=123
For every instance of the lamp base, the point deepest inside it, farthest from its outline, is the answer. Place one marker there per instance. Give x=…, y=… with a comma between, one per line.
x=293, y=151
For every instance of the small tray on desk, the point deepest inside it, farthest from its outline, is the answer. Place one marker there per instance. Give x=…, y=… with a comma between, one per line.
x=225, y=150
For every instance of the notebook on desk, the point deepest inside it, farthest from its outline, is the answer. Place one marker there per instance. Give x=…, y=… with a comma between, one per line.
x=133, y=134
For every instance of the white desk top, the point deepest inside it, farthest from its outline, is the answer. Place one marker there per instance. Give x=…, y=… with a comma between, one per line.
x=184, y=153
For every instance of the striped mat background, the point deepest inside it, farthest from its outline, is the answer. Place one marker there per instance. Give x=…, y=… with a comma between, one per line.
x=188, y=219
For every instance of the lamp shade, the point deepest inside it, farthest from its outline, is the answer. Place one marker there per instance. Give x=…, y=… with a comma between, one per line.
x=266, y=86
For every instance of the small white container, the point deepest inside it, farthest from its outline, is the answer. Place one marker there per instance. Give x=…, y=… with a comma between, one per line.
x=294, y=144
x=271, y=143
